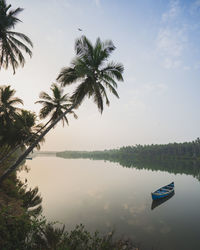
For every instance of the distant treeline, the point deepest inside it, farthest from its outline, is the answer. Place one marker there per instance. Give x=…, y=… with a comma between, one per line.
x=138, y=153
x=172, y=157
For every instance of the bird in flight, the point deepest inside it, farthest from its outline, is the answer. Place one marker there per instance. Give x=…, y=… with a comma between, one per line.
x=80, y=29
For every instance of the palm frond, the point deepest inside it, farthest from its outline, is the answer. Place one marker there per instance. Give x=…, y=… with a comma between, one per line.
x=46, y=110
x=98, y=99
x=111, y=88
x=68, y=76
x=103, y=91
x=20, y=45
x=22, y=36
x=114, y=70
x=80, y=92
x=45, y=96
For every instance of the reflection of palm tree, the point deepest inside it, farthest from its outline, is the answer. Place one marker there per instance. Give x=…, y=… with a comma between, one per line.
x=31, y=199
x=88, y=67
x=55, y=105
x=10, y=45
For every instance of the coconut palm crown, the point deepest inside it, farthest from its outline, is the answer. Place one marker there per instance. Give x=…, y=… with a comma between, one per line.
x=56, y=105
x=11, y=42
x=92, y=70
x=8, y=102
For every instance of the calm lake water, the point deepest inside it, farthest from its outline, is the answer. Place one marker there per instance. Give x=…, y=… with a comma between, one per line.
x=105, y=196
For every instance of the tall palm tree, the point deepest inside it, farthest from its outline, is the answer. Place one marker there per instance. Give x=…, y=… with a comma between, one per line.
x=88, y=68
x=56, y=105
x=91, y=69
x=11, y=42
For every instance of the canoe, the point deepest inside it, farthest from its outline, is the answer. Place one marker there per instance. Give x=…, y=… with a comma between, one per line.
x=163, y=191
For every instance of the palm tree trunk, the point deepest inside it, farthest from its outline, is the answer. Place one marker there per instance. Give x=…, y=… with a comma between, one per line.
x=32, y=146
x=22, y=144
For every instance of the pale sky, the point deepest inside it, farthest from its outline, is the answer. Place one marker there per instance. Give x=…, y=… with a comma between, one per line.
x=157, y=41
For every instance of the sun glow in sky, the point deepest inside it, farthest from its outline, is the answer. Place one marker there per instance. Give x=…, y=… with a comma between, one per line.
x=158, y=42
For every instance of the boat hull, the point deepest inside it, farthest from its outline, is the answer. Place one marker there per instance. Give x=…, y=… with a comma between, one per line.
x=163, y=192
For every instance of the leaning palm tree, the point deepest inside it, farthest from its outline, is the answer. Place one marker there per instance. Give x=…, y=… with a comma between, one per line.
x=87, y=68
x=11, y=42
x=91, y=69
x=56, y=105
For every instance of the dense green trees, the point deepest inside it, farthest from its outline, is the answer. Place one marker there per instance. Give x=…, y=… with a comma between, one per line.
x=11, y=42
x=18, y=127
x=141, y=153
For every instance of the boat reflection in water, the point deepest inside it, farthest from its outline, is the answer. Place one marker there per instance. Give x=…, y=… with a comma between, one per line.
x=156, y=203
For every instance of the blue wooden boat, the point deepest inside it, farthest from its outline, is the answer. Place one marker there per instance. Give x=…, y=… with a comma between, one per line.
x=163, y=191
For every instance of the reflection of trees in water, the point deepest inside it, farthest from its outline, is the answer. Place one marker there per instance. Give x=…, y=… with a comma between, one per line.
x=176, y=165
x=188, y=167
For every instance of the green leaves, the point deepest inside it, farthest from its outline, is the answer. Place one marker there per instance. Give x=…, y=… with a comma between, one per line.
x=10, y=46
x=56, y=105
x=91, y=70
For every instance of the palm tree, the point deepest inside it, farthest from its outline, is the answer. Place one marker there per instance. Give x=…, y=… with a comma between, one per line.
x=8, y=110
x=11, y=43
x=8, y=113
x=91, y=69
x=23, y=132
x=26, y=128
x=56, y=105
x=88, y=67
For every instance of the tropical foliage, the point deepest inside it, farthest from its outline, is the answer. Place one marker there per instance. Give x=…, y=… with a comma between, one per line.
x=18, y=127
x=88, y=67
x=56, y=105
x=8, y=102
x=11, y=42
x=91, y=69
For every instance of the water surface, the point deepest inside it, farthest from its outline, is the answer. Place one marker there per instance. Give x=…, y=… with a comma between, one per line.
x=106, y=196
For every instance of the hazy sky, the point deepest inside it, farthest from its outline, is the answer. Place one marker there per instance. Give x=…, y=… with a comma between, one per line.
x=158, y=41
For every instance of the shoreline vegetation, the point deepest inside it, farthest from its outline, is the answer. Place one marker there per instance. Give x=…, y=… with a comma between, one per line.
x=173, y=157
